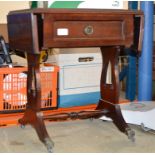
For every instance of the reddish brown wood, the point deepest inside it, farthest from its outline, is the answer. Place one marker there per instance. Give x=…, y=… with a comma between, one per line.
x=48, y=19
x=34, y=30
x=33, y=115
x=110, y=92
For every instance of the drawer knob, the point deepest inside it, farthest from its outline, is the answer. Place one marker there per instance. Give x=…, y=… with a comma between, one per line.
x=88, y=30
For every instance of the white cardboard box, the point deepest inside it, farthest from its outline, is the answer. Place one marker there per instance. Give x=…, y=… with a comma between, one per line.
x=79, y=76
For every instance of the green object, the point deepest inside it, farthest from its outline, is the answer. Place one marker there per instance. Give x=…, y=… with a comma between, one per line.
x=65, y=4
x=34, y=4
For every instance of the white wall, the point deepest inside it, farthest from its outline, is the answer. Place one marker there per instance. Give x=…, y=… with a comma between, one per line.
x=6, y=6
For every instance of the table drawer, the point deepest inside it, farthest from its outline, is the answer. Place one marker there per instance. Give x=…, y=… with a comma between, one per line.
x=88, y=30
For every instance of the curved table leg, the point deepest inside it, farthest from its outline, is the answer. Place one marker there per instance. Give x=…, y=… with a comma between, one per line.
x=33, y=115
x=109, y=87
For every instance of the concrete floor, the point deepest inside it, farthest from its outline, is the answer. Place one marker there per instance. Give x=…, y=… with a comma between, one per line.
x=82, y=136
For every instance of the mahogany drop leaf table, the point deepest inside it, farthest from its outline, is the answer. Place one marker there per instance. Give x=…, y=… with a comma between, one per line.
x=34, y=30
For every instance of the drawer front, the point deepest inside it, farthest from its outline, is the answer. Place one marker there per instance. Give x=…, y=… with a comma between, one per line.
x=88, y=30
x=69, y=32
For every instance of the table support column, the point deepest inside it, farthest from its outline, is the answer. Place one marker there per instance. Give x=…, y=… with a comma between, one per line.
x=33, y=114
x=109, y=86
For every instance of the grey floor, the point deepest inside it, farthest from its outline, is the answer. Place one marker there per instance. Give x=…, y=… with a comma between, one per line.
x=82, y=136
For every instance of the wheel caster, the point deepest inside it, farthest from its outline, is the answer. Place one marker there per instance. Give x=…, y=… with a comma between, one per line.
x=49, y=145
x=22, y=126
x=91, y=119
x=131, y=134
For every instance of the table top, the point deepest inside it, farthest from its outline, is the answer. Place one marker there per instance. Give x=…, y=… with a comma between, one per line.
x=66, y=28
x=79, y=11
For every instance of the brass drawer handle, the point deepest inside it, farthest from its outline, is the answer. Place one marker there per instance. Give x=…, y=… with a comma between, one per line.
x=88, y=30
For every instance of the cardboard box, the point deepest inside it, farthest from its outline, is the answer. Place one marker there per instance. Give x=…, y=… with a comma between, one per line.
x=4, y=31
x=79, y=76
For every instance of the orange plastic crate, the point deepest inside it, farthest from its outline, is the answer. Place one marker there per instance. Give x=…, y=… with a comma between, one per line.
x=13, y=86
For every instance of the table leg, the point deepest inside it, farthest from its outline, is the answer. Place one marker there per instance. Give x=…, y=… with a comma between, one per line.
x=109, y=87
x=33, y=115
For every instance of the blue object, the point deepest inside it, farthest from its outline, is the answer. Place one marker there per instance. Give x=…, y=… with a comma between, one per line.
x=131, y=79
x=133, y=5
x=78, y=99
x=131, y=70
x=145, y=60
x=123, y=73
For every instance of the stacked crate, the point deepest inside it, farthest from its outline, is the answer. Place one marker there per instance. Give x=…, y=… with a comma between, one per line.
x=13, y=94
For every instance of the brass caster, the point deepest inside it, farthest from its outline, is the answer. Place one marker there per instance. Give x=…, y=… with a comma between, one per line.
x=91, y=119
x=49, y=145
x=22, y=126
x=131, y=134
